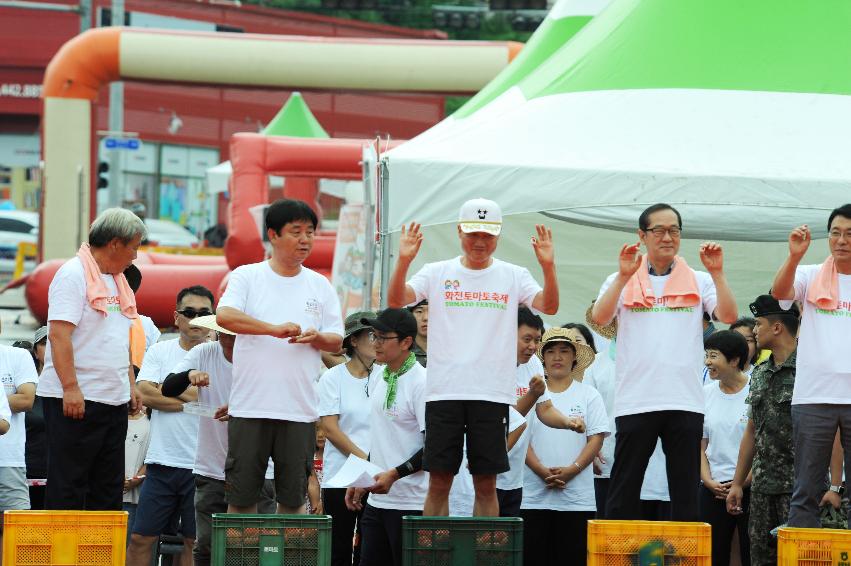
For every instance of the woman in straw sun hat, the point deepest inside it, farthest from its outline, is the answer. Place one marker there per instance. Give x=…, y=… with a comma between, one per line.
x=558, y=496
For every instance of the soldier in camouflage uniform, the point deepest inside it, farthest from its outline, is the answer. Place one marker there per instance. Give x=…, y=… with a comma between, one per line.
x=767, y=447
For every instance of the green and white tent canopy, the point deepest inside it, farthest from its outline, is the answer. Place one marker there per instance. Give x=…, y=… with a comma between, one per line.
x=738, y=113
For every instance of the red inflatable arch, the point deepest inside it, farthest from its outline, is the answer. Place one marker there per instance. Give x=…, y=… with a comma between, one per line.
x=254, y=157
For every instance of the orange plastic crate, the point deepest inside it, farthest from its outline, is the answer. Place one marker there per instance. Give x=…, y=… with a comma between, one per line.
x=813, y=547
x=64, y=538
x=634, y=543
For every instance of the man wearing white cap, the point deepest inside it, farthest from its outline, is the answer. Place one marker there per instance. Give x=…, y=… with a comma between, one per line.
x=473, y=301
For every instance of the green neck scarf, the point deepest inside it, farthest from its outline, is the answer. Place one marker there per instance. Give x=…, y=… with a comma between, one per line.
x=390, y=377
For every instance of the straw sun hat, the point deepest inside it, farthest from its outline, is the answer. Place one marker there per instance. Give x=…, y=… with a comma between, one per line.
x=584, y=353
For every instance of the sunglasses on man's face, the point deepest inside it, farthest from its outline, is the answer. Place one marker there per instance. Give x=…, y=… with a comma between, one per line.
x=191, y=313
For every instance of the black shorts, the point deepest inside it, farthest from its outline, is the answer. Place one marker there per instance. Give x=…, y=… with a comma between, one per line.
x=251, y=442
x=486, y=426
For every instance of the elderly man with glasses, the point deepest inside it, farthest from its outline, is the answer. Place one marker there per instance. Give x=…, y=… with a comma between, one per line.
x=169, y=486
x=659, y=301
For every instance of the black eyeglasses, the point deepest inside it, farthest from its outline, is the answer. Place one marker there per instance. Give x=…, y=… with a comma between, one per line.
x=190, y=313
x=382, y=339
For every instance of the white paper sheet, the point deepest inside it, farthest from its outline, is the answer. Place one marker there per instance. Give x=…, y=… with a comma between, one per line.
x=356, y=472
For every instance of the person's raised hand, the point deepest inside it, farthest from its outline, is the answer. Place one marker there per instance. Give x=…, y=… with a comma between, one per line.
x=73, y=403
x=799, y=241
x=543, y=245
x=629, y=259
x=199, y=378
x=285, y=330
x=410, y=242
x=712, y=257
x=735, y=495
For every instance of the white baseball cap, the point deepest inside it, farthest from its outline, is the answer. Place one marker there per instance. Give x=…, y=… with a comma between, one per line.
x=480, y=215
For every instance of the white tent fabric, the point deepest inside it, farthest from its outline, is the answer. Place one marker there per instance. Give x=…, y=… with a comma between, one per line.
x=218, y=177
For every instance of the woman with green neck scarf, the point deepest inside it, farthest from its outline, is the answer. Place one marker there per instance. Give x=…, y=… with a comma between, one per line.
x=397, y=423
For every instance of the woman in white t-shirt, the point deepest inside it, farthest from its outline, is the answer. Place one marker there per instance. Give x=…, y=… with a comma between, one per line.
x=558, y=487
x=344, y=410
x=724, y=422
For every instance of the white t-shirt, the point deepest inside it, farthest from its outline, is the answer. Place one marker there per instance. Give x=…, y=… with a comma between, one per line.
x=472, y=346
x=823, y=373
x=152, y=333
x=135, y=447
x=601, y=376
x=648, y=380
x=558, y=447
x=273, y=379
x=724, y=425
x=341, y=393
x=5, y=411
x=174, y=436
x=396, y=434
x=513, y=478
x=16, y=369
x=212, y=448
x=101, y=343
x=655, y=485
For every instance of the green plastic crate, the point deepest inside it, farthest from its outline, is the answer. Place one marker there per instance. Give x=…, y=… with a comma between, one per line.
x=271, y=540
x=462, y=541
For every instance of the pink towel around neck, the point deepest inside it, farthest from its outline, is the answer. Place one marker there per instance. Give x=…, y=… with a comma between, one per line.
x=680, y=288
x=96, y=290
x=823, y=292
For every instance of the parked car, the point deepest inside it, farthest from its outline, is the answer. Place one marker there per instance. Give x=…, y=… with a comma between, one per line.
x=16, y=226
x=168, y=233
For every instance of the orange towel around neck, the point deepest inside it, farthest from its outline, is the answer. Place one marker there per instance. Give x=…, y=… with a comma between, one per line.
x=823, y=292
x=680, y=288
x=96, y=291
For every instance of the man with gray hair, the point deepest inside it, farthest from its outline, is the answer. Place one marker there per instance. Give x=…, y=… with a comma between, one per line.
x=87, y=382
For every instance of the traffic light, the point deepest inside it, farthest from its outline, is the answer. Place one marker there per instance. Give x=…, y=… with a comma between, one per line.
x=103, y=175
x=527, y=20
x=458, y=17
x=502, y=5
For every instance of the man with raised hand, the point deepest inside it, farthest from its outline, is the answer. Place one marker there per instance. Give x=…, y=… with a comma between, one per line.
x=473, y=300
x=821, y=402
x=659, y=302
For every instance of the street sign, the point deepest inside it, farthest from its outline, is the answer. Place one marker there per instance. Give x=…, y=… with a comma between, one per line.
x=126, y=144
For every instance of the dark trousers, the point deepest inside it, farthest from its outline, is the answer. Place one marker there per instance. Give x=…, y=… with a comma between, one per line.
x=555, y=537
x=601, y=494
x=382, y=536
x=85, y=457
x=714, y=512
x=814, y=428
x=680, y=432
x=509, y=501
x=344, y=552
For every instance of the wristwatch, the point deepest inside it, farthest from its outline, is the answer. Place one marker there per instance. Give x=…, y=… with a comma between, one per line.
x=840, y=489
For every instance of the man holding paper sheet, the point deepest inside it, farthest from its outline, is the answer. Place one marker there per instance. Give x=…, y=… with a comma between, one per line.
x=169, y=487
x=209, y=367
x=397, y=421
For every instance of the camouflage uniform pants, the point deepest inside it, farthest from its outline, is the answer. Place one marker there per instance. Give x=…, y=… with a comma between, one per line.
x=767, y=512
